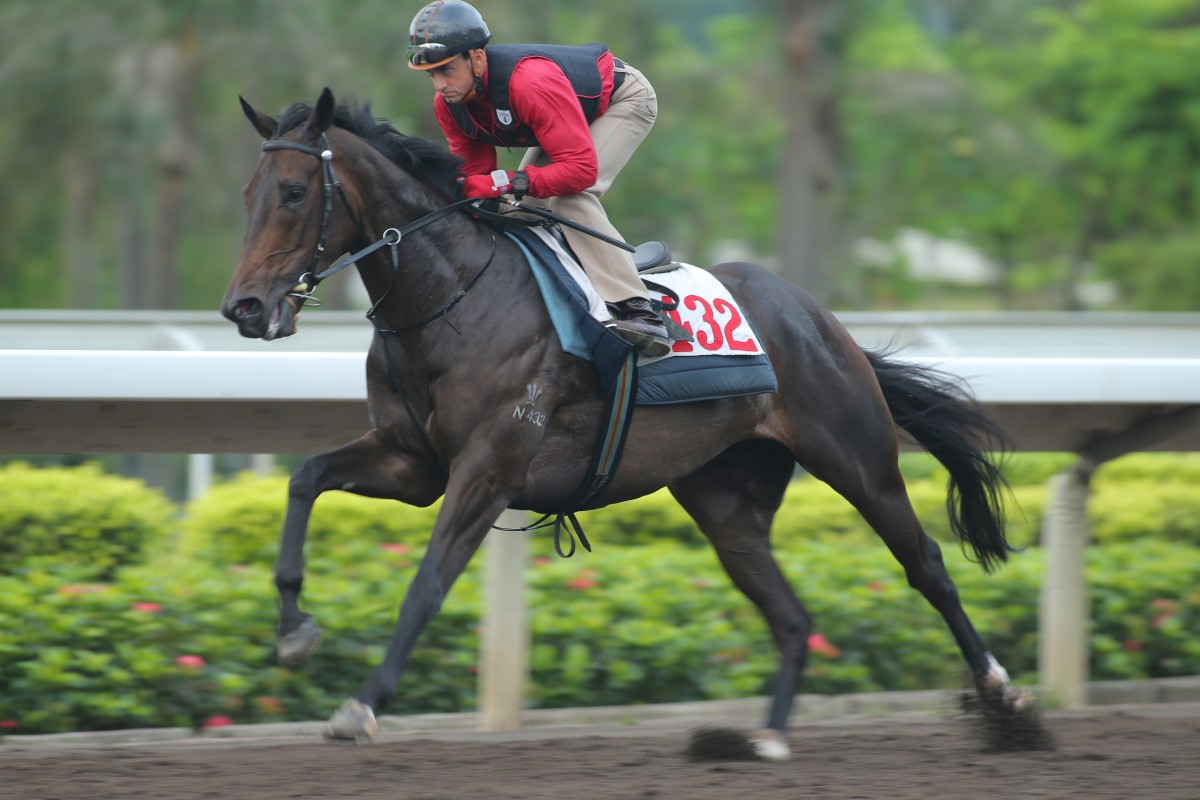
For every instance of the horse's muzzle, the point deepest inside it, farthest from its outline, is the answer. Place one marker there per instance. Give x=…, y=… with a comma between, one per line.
x=251, y=316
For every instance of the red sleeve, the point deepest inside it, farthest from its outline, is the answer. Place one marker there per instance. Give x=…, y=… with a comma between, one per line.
x=478, y=158
x=544, y=99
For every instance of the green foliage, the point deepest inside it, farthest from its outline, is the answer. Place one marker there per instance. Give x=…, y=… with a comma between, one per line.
x=649, y=617
x=1160, y=467
x=1035, y=132
x=655, y=623
x=1155, y=273
x=80, y=516
x=653, y=518
x=239, y=522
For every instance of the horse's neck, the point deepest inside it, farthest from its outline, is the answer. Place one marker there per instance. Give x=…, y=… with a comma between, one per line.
x=430, y=260
x=433, y=265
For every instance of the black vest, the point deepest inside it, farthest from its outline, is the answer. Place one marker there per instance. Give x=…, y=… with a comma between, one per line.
x=578, y=63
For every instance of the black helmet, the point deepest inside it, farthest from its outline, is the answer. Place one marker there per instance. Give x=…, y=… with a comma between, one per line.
x=442, y=30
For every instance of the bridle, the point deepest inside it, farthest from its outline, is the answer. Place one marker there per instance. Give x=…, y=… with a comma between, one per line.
x=309, y=280
x=303, y=290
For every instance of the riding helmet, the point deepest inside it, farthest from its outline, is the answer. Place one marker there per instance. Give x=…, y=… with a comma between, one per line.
x=442, y=30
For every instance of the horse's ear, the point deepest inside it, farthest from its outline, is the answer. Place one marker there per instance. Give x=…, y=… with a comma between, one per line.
x=262, y=123
x=322, y=114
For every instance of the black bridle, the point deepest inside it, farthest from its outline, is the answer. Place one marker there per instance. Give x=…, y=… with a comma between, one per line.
x=303, y=290
x=309, y=280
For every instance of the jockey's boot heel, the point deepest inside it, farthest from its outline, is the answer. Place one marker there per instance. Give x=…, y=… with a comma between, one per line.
x=640, y=325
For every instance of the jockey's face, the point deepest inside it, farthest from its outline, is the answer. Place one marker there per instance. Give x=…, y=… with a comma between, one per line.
x=455, y=80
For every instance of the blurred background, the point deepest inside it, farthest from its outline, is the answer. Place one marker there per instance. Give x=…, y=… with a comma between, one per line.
x=885, y=154
x=919, y=156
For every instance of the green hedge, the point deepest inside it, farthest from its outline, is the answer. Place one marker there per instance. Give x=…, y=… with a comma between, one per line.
x=623, y=625
x=99, y=521
x=78, y=516
x=648, y=618
x=239, y=522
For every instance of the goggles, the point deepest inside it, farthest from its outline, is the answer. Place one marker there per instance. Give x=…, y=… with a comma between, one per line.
x=429, y=55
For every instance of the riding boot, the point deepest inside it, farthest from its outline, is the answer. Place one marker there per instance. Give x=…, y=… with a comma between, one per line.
x=641, y=326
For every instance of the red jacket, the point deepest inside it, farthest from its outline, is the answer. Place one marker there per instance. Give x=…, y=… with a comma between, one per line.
x=541, y=97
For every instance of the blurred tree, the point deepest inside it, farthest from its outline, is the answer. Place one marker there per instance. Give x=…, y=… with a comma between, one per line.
x=1045, y=133
x=814, y=38
x=1049, y=134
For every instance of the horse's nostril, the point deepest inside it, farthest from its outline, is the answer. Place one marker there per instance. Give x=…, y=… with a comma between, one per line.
x=247, y=308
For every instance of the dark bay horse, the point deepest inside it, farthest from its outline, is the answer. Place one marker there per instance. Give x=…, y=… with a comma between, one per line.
x=462, y=333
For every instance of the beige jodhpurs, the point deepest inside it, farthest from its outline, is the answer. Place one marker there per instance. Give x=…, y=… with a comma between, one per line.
x=617, y=133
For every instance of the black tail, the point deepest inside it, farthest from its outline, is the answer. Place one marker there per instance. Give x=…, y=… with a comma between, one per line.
x=942, y=417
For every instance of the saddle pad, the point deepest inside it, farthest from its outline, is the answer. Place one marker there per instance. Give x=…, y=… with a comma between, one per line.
x=725, y=360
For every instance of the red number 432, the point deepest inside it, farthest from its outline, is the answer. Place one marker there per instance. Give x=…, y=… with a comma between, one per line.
x=711, y=333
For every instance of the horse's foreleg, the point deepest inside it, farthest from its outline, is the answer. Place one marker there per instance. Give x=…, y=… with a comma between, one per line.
x=363, y=467
x=467, y=513
x=733, y=500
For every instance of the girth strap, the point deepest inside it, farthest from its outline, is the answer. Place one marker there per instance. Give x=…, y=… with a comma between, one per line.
x=618, y=412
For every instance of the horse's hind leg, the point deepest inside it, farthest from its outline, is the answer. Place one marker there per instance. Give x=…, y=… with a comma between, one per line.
x=733, y=500
x=363, y=467
x=864, y=469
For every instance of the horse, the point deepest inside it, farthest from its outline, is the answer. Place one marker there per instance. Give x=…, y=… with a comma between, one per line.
x=462, y=333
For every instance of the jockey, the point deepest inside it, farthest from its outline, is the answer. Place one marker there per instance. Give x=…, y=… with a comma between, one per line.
x=580, y=112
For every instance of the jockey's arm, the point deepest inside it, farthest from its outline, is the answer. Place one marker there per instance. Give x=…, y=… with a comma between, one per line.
x=543, y=99
x=479, y=158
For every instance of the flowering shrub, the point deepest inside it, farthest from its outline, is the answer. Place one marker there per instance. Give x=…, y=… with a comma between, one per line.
x=188, y=638
x=239, y=522
x=80, y=516
x=624, y=625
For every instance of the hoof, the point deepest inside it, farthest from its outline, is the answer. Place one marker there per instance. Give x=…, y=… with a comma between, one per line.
x=770, y=745
x=1010, y=722
x=729, y=744
x=353, y=721
x=296, y=647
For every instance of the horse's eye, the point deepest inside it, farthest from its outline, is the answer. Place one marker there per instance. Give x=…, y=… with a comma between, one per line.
x=294, y=194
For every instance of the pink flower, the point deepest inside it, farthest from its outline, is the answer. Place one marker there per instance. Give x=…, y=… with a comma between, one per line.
x=1132, y=646
x=217, y=722
x=875, y=586
x=149, y=608
x=395, y=547
x=8, y=724
x=189, y=661
x=579, y=584
x=818, y=644
x=541, y=561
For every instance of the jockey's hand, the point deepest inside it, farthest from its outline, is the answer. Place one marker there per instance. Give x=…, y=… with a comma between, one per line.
x=493, y=184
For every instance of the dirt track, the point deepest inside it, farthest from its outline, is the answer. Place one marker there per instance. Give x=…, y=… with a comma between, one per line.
x=1142, y=752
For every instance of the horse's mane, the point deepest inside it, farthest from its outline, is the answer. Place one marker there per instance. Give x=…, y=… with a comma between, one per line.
x=428, y=162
